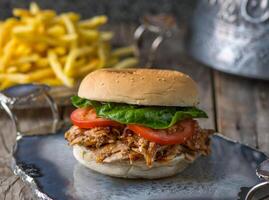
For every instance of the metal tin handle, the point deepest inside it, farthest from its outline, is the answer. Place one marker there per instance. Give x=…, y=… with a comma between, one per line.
x=28, y=91
x=153, y=48
x=161, y=26
x=254, y=189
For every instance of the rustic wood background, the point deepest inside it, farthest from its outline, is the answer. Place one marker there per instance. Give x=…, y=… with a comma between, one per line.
x=237, y=107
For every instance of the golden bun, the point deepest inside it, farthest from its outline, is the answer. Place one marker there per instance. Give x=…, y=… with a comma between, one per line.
x=140, y=86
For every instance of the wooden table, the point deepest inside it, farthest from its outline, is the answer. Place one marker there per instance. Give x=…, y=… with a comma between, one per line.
x=237, y=107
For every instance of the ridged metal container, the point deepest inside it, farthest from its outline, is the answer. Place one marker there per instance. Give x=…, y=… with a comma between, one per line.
x=232, y=36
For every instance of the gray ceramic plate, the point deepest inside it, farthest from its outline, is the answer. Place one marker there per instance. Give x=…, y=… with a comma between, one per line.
x=47, y=163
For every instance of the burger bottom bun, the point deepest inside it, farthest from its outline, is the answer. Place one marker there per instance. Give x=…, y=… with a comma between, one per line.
x=123, y=169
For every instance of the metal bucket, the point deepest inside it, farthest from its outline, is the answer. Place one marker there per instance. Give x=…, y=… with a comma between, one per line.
x=232, y=36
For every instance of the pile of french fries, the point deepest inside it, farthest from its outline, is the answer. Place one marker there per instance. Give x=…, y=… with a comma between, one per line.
x=39, y=46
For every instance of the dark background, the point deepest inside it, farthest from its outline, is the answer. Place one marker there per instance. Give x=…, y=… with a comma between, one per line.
x=127, y=11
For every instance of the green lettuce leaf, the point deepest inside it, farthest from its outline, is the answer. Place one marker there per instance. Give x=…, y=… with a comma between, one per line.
x=80, y=102
x=156, y=117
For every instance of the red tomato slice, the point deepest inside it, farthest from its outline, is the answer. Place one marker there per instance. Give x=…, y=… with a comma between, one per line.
x=177, y=134
x=86, y=118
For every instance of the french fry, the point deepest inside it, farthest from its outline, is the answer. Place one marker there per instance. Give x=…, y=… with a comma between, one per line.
x=46, y=15
x=124, y=51
x=25, y=67
x=94, y=22
x=42, y=62
x=41, y=74
x=74, y=17
x=51, y=81
x=6, y=84
x=89, y=34
x=106, y=35
x=63, y=60
x=12, y=69
x=57, y=68
x=22, y=50
x=22, y=29
x=69, y=24
x=6, y=30
x=82, y=71
x=69, y=38
x=112, y=61
x=7, y=55
x=26, y=59
x=103, y=54
x=126, y=63
x=60, y=51
x=70, y=29
x=34, y=8
x=81, y=62
x=31, y=40
x=68, y=68
x=73, y=55
x=16, y=78
x=42, y=47
x=56, y=31
x=84, y=51
x=21, y=12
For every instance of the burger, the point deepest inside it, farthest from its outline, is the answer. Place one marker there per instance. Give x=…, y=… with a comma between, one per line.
x=137, y=123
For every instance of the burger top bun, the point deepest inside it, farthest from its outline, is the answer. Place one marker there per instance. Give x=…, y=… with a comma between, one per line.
x=140, y=86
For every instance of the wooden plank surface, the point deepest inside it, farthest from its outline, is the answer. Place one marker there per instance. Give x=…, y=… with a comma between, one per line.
x=242, y=109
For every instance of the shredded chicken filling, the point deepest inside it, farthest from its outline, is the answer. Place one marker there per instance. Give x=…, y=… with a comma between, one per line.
x=111, y=144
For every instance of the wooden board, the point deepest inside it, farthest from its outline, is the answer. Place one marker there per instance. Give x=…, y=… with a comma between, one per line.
x=242, y=109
